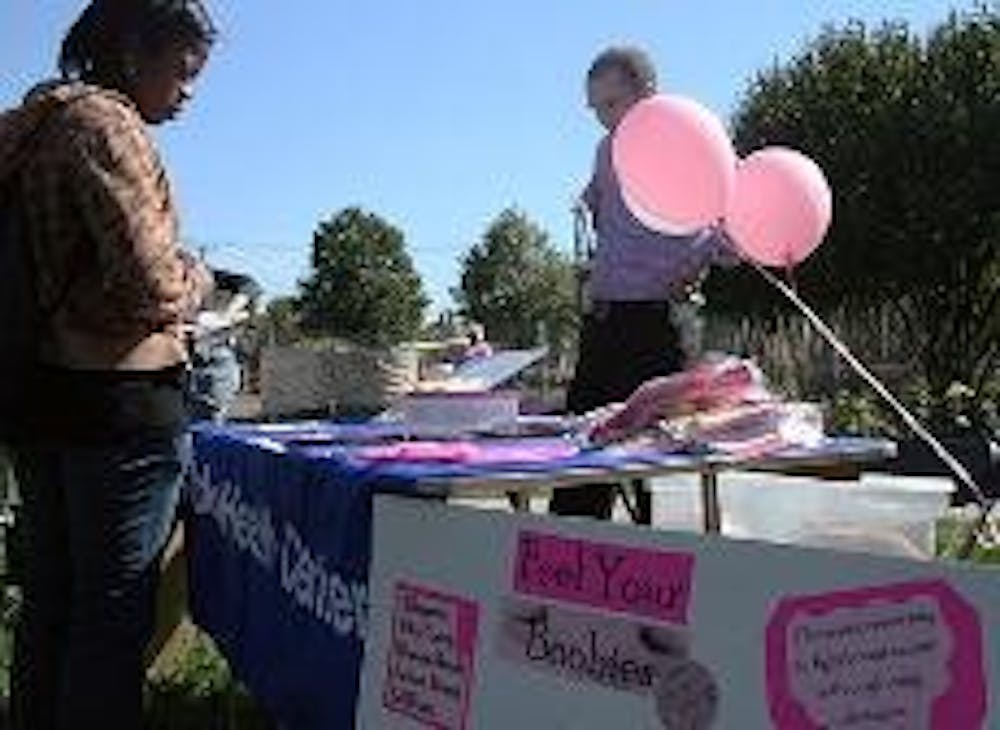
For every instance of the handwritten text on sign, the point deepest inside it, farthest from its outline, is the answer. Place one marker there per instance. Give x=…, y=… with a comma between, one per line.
x=429, y=670
x=634, y=581
x=897, y=656
x=616, y=652
x=579, y=645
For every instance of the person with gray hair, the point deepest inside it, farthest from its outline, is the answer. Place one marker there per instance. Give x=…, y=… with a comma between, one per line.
x=641, y=282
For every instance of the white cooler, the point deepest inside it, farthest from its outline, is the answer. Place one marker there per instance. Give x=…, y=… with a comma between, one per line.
x=881, y=514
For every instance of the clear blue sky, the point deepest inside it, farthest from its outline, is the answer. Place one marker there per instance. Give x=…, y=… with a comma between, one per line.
x=436, y=113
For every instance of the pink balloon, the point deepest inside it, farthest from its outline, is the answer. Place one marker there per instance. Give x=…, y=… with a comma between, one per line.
x=781, y=207
x=652, y=221
x=675, y=163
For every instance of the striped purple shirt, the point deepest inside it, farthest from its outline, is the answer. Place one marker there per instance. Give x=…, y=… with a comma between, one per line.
x=633, y=263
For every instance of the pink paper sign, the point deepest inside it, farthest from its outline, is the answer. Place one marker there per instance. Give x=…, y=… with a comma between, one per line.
x=628, y=580
x=430, y=666
x=901, y=656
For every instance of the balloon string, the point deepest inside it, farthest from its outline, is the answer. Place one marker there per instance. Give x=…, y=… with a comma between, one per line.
x=965, y=543
x=790, y=276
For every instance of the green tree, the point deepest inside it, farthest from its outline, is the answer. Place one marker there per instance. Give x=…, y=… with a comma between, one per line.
x=906, y=130
x=446, y=325
x=518, y=285
x=363, y=286
x=281, y=323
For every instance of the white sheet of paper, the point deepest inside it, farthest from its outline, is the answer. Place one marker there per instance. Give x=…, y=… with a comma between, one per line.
x=494, y=370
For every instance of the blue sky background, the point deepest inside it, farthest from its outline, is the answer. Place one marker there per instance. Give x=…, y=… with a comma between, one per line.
x=435, y=114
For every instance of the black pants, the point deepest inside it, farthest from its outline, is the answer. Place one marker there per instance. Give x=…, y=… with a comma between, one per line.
x=622, y=345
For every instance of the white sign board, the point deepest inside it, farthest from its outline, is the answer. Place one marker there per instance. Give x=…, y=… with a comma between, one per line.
x=492, y=621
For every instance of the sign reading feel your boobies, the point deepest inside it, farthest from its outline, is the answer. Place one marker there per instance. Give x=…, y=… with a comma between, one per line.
x=634, y=581
x=615, y=616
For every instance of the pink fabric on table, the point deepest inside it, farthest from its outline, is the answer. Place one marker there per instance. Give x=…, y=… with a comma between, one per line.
x=746, y=431
x=467, y=452
x=713, y=385
x=728, y=382
x=731, y=410
x=739, y=423
x=753, y=448
x=421, y=451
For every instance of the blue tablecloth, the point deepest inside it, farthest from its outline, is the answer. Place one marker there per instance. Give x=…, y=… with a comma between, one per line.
x=278, y=548
x=279, y=540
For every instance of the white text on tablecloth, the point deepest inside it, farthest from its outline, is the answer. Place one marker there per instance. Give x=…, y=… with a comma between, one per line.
x=325, y=594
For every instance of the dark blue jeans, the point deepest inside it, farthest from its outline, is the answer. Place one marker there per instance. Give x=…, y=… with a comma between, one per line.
x=95, y=521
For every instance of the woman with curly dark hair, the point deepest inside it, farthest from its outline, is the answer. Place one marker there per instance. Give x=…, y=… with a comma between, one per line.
x=100, y=448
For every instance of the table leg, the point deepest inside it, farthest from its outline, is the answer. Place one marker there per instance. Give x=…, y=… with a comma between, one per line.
x=711, y=507
x=643, y=502
x=519, y=501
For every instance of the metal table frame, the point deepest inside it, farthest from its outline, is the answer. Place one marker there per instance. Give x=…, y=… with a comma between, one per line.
x=520, y=487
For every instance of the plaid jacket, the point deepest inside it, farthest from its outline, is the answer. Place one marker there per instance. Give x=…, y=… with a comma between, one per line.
x=95, y=205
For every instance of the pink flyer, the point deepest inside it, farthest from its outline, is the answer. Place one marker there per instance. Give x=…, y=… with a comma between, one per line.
x=640, y=582
x=899, y=656
x=431, y=660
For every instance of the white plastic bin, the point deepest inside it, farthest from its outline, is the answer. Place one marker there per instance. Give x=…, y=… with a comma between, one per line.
x=882, y=514
x=444, y=414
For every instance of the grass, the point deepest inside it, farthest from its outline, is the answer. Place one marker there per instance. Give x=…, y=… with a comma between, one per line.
x=194, y=689
x=947, y=533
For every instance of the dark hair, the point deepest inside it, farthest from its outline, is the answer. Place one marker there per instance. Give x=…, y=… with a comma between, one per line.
x=631, y=61
x=97, y=48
